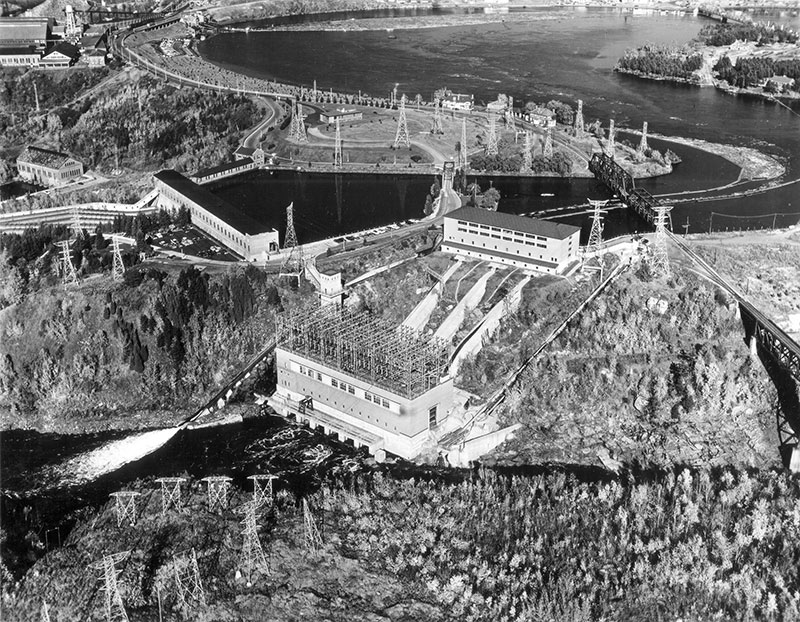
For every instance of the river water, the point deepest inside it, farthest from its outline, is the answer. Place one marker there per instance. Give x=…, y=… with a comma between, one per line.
x=567, y=58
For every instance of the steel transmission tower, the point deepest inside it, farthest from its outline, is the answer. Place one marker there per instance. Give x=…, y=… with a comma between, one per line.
x=118, y=268
x=402, y=126
x=527, y=154
x=337, y=146
x=253, y=557
x=76, y=224
x=170, y=493
x=262, y=489
x=313, y=539
x=115, y=610
x=643, y=148
x=611, y=138
x=463, y=161
x=293, y=263
x=187, y=580
x=437, y=118
x=125, y=506
x=579, y=120
x=660, y=258
x=68, y=274
x=297, y=129
x=217, y=491
x=547, y=151
x=491, y=138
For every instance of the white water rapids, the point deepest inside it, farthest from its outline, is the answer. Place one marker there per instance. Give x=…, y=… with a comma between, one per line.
x=110, y=457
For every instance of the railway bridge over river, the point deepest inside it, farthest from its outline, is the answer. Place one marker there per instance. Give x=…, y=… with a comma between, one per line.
x=622, y=183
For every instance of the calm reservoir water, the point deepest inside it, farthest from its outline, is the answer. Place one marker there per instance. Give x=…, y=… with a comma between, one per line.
x=569, y=57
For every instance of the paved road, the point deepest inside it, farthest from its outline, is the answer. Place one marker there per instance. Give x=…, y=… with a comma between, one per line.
x=274, y=112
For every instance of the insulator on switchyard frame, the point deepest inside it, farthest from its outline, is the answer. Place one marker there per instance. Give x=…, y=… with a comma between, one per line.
x=402, y=126
x=491, y=137
x=170, y=493
x=114, y=608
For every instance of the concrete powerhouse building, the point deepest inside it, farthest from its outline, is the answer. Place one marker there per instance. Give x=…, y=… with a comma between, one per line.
x=354, y=375
x=529, y=243
x=47, y=168
x=221, y=220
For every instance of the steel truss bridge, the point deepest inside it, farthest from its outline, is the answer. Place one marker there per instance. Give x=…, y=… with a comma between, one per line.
x=622, y=183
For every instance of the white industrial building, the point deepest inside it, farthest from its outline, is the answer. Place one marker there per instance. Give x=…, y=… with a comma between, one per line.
x=520, y=241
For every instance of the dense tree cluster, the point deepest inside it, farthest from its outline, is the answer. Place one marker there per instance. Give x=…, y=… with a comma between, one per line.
x=661, y=61
x=748, y=72
x=55, y=89
x=726, y=34
x=155, y=342
x=560, y=163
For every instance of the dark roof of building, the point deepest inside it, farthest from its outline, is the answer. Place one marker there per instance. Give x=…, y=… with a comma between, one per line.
x=23, y=29
x=206, y=172
x=44, y=157
x=212, y=203
x=245, y=151
x=525, y=224
x=18, y=51
x=67, y=49
x=96, y=52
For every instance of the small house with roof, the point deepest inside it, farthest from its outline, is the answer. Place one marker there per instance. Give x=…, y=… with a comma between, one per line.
x=47, y=168
x=62, y=56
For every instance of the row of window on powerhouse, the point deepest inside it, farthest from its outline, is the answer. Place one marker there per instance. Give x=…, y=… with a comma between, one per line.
x=47, y=172
x=344, y=386
x=476, y=228
x=500, y=236
x=238, y=240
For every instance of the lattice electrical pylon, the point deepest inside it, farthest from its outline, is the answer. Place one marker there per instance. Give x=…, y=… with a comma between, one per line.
x=170, y=493
x=337, y=146
x=125, y=506
x=115, y=609
x=45, y=612
x=76, y=225
x=579, y=127
x=293, y=262
x=610, y=149
x=643, y=148
x=297, y=129
x=660, y=257
x=547, y=151
x=463, y=160
x=527, y=154
x=188, y=586
x=68, y=274
x=118, y=267
x=312, y=538
x=491, y=137
x=402, y=126
x=253, y=558
x=217, y=491
x=262, y=489
x=594, y=248
x=437, y=118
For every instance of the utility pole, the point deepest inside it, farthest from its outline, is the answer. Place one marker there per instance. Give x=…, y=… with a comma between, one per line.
x=527, y=153
x=463, y=160
x=643, y=147
x=548, y=143
x=437, y=118
x=686, y=227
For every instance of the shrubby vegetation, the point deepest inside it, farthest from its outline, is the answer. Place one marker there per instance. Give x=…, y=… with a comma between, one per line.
x=727, y=34
x=146, y=125
x=156, y=342
x=661, y=61
x=692, y=545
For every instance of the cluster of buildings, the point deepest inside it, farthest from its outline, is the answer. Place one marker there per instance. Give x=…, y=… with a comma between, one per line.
x=40, y=42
